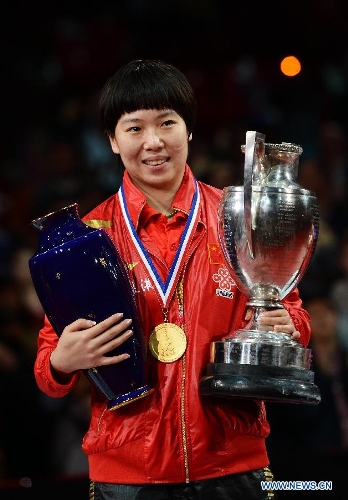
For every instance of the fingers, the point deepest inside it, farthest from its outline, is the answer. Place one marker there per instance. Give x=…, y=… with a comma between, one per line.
x=296, y=335
x=102, y=326
x=80, y=324
x=97, y=339
x=109, y=340
x=248, y=314
x=108, y=322
x=107, y=330
x=275, y=317
x=107, y=336
x=280, y=320
x=85, y=343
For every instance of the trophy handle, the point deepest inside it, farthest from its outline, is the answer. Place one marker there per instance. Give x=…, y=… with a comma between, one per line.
x=254, y=147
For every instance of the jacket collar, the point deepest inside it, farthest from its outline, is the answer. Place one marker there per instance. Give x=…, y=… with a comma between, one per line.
x=136, y=200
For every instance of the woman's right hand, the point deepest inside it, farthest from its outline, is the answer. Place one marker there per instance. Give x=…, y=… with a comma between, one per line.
x=83, y=344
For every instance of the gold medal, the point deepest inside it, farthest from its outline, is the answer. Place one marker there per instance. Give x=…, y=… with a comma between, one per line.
x=167, y=342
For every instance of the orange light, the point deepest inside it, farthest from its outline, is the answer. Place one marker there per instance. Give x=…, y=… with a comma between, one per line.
x=290, y=66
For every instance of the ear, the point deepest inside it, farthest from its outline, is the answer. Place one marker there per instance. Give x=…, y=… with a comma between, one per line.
x=190, y=136
x=114, y=145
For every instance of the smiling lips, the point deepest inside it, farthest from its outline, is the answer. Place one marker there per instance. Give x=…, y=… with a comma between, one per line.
x=155, y=163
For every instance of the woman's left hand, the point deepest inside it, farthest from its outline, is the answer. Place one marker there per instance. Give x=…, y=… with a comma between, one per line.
x=280, y=320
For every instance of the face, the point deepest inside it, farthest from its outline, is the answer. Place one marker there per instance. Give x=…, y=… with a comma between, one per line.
x=153, y=145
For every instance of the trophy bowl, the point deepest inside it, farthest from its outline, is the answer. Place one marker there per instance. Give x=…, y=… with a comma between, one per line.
x=268, y=230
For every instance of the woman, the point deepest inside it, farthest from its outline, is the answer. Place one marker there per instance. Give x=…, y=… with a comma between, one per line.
x=173, y=443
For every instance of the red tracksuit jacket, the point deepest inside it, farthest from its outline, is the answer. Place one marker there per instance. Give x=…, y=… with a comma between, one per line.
x=174, y=435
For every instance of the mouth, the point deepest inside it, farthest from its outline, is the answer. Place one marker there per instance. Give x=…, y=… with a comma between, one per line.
x=156, y=163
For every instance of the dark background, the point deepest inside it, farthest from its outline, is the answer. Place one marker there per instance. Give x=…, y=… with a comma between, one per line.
x=230, y=50
x=55, y=56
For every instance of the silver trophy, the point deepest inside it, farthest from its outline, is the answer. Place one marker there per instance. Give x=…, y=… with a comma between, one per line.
x=268, y=231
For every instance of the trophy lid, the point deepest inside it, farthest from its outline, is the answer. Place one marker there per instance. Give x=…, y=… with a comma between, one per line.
x=286, y=147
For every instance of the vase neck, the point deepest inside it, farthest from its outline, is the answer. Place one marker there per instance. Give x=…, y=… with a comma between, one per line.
x=57, y=228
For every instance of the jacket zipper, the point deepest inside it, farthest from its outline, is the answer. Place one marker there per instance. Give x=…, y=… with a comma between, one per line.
x=183, y=423
x=180, y=297
x=101, y=418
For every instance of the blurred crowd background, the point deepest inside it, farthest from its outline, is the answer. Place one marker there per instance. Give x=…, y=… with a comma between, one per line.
x=54, y=60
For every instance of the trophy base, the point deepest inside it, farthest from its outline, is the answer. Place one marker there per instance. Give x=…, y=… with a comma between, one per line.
x=125, y=399
x=269, y=383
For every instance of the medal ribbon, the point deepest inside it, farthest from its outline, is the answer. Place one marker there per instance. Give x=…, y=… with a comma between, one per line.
x=164, y=289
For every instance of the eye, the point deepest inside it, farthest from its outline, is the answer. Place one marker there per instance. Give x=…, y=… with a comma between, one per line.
x=168, y=123
x=133, y=129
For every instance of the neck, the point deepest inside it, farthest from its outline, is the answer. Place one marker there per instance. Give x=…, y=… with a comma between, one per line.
x=161, y=199
x=160, y=195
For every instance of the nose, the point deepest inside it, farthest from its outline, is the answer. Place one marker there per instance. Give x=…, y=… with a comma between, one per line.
x=153, y=141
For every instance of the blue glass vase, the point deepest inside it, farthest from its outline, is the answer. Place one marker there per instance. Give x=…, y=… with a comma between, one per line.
x=78, y=273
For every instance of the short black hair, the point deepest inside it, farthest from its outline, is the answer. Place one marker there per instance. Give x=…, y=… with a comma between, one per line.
x=146, y=84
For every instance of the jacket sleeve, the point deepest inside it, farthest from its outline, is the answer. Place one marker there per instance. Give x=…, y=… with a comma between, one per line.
x=299, y=316
x=47, y=342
